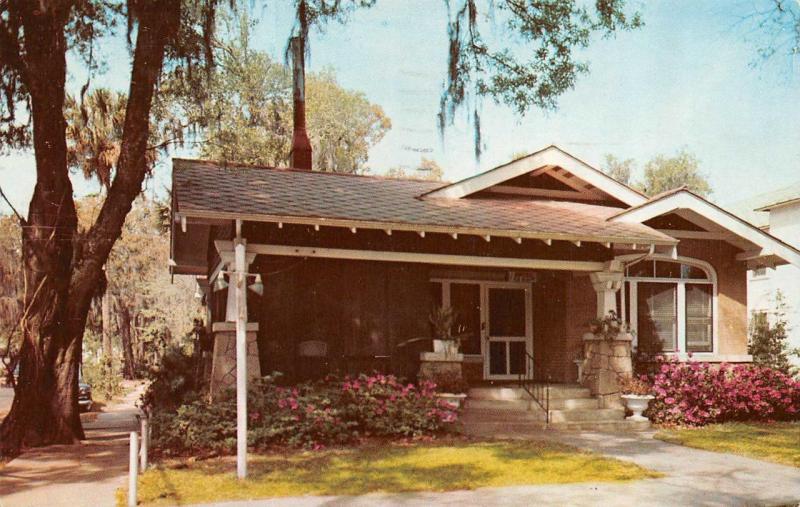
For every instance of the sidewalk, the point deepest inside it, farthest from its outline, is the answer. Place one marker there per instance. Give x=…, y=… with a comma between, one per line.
x=693, y=477
x=87, y=474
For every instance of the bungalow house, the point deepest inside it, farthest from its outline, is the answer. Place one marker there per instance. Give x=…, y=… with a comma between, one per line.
x=347, y=268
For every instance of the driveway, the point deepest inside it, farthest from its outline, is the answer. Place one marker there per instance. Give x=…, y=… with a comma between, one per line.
x=693, y=477
x=87, y=474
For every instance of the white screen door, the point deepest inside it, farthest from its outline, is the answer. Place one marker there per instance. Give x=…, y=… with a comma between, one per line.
x=508, y=330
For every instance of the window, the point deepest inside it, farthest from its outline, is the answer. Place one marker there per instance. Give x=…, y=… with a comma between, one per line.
x=657, y=314
x=760, y=272
x=671, y=302
x=465, y=299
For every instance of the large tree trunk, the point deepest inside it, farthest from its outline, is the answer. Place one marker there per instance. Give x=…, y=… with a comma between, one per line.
x=60, y=285
x=108, y=351
x=45, y=407
x=129, y=368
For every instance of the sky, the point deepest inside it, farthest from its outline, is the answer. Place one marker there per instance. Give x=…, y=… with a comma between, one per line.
x=689, y=79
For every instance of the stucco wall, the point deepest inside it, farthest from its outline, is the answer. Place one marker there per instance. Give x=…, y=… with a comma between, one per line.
x=785, y=224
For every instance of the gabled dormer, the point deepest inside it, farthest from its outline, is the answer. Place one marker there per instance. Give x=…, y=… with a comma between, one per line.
x=548, y=174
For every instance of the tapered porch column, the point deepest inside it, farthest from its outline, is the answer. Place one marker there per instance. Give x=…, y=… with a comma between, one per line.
x=605, y=360
x=606, y=283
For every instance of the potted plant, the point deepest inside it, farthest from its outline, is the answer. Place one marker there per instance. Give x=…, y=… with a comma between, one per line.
x=637, y=394
x=442, y=319
x=450, y=387
x=609, y=327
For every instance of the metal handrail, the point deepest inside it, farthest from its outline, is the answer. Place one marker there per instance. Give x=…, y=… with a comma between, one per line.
x=538, y=388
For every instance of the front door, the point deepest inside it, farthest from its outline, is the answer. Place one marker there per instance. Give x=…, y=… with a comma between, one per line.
x=508, y=329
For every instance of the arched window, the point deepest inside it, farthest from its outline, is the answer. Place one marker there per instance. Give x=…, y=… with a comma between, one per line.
x=671, y=301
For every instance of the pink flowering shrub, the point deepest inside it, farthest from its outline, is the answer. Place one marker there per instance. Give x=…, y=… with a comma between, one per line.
x=309, y=415
x=695, y=394
x=382, y=406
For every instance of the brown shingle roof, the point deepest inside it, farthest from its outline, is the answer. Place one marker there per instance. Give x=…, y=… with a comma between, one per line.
x=206, y=189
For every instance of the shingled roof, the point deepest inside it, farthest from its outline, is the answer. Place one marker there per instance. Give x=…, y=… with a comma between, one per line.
x=204, y=189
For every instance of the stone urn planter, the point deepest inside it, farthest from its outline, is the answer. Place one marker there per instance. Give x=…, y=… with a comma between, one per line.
x=637, y=403
x=447, y=347
x=453, y=400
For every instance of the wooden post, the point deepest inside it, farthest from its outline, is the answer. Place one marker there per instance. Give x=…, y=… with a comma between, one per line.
x=133, y=472
x=145, y=443
x=606, y=284
x=240, y=286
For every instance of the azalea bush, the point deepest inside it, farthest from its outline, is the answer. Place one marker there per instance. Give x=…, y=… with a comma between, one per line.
x=695, y=394
x=309, y=415
x=382, y=406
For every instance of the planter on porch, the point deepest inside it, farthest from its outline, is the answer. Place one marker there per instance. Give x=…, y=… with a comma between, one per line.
x=637, y=403
x=452, y=400
x=447, y=347
x=445, y=370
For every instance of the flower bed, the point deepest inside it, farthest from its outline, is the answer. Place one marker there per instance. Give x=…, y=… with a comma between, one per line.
x=695, y=394
x=309, y=415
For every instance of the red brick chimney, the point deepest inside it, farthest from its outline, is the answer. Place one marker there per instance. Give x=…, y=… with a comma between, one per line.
x=301, y=146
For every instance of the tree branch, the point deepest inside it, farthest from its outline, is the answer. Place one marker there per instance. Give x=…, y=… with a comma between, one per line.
x=13, y=209
x=9, y=45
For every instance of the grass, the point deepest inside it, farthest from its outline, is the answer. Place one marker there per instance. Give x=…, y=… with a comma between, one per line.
x=776, y=442
x=386, y=467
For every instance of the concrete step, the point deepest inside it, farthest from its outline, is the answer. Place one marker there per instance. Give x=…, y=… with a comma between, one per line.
x=556, y=392
x=611, y=426
x=566, y=391
x=497, y=393
x=587, y=415
x=470, y=415
x=520, y=404
x=574, y=403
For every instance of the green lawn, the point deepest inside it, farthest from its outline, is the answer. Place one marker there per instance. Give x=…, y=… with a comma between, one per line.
x=381, y=468
x=777, y=442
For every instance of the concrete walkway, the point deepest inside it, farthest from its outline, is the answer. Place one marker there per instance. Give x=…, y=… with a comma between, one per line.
x=693, y=477
x=81, y=475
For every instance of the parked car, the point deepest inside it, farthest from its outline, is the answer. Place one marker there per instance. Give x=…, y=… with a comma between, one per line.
x=84, y=395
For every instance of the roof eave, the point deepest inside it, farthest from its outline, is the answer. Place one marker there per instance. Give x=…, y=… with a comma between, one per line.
x=656, y=239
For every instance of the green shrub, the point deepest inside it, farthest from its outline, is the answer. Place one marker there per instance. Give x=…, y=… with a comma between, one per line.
x=310, y=415
x=768, y=340
x=173, y=383
x=104, y=377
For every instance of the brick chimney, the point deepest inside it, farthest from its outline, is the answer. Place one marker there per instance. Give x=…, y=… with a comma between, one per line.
x=301, y=146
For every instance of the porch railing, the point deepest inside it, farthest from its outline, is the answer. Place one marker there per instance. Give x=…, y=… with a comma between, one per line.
x=536, y=385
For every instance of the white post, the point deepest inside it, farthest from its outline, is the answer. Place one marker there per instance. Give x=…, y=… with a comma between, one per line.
x=133, y=472
x=240, y=261
x=145, y=443
x=606, y=284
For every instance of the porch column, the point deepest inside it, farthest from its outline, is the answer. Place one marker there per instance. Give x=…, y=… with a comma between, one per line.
x=606, y=283
x=605, y=360
x=243, y=341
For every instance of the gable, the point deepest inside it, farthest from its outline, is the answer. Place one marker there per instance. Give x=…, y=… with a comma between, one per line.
x=758, y=247
x=547, y=174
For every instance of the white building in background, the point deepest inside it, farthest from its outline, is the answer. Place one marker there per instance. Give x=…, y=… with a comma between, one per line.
x=777, y=212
